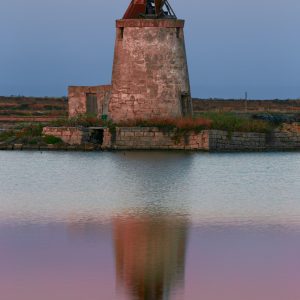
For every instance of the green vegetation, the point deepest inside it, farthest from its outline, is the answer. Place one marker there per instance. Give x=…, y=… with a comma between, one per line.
x=31, y=130
x=231, y=122
x=33, y=133
x=53, y=140
x=81, y=120
x=188, y=124
x=7, y=136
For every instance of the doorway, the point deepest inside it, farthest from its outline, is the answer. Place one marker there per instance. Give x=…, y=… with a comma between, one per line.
x=91, y=104
x=186, y=108
x=96, y=135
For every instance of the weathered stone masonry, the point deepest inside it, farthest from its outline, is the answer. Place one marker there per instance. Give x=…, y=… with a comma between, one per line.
x=79, y=96
x=207, y=140
x=150, y=73
x=69, y=135
x=152, y=138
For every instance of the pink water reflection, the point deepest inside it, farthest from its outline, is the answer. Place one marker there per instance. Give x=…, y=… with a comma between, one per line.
x=76, y=262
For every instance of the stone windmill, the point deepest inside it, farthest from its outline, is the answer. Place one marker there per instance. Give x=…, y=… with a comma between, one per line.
x=150, y=74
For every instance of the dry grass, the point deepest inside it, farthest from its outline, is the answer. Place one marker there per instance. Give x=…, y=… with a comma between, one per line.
x=188, y=124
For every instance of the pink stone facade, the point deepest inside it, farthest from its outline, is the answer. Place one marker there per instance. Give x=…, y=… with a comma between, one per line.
x=78, y=99
x=150, y=73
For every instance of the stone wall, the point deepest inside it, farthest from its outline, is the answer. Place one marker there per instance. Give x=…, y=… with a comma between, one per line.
x=294, y=127
x=208, y=140
x=69, y=135
x=280, y=140
x=78, y=99
x=152, y=138
x=150, y=74
x=243, y=106
x=236, y=141
x=241, y=141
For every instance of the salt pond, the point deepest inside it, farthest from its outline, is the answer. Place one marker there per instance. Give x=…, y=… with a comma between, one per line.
x=149, y=225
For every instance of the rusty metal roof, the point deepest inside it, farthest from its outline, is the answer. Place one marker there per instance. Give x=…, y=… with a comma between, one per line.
x=135, y=9
x=149, y=9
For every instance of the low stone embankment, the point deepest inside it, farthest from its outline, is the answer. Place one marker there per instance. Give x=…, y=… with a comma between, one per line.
x=69, y=135
x=207, y=140
x=152, y=138
x=138, y=138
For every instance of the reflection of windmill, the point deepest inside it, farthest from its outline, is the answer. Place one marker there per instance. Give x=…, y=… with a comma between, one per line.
x=149, y=9
x=150, y=255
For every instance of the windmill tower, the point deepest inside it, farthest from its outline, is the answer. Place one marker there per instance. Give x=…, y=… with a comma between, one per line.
x=150, y=74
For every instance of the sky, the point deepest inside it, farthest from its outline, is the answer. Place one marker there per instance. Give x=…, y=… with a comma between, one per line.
x=233, y=46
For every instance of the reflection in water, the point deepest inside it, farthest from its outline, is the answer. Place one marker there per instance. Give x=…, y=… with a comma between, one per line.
x=243, y=226
x=150, y=254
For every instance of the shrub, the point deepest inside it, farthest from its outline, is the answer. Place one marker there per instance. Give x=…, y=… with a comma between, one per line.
x=81, y=120
x=23, y=106
x=30, y=140
x=275, y=118
x=7, y=135
x=231, y=122
x=51, y=139
x=32, y=130
x=185, y=124
x=33, y=141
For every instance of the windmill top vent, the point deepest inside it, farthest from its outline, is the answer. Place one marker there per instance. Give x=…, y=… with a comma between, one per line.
x=149, y=9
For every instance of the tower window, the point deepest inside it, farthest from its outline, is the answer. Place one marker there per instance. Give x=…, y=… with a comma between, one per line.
x=120, y=33
x=179, y=32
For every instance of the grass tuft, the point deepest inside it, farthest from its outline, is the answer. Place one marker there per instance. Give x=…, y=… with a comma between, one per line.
x=231, y=123
x=53, y=140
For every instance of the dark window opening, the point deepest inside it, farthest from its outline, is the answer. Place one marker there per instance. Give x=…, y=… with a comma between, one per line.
x=96, y=135
x=185, y=105
x=121, y=33
x=178, y=32
x=91, y=104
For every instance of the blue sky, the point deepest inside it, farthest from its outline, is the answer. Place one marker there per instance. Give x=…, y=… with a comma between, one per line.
x=233, y=46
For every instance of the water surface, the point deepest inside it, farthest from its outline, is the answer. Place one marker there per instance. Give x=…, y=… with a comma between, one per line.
x=149, y=225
